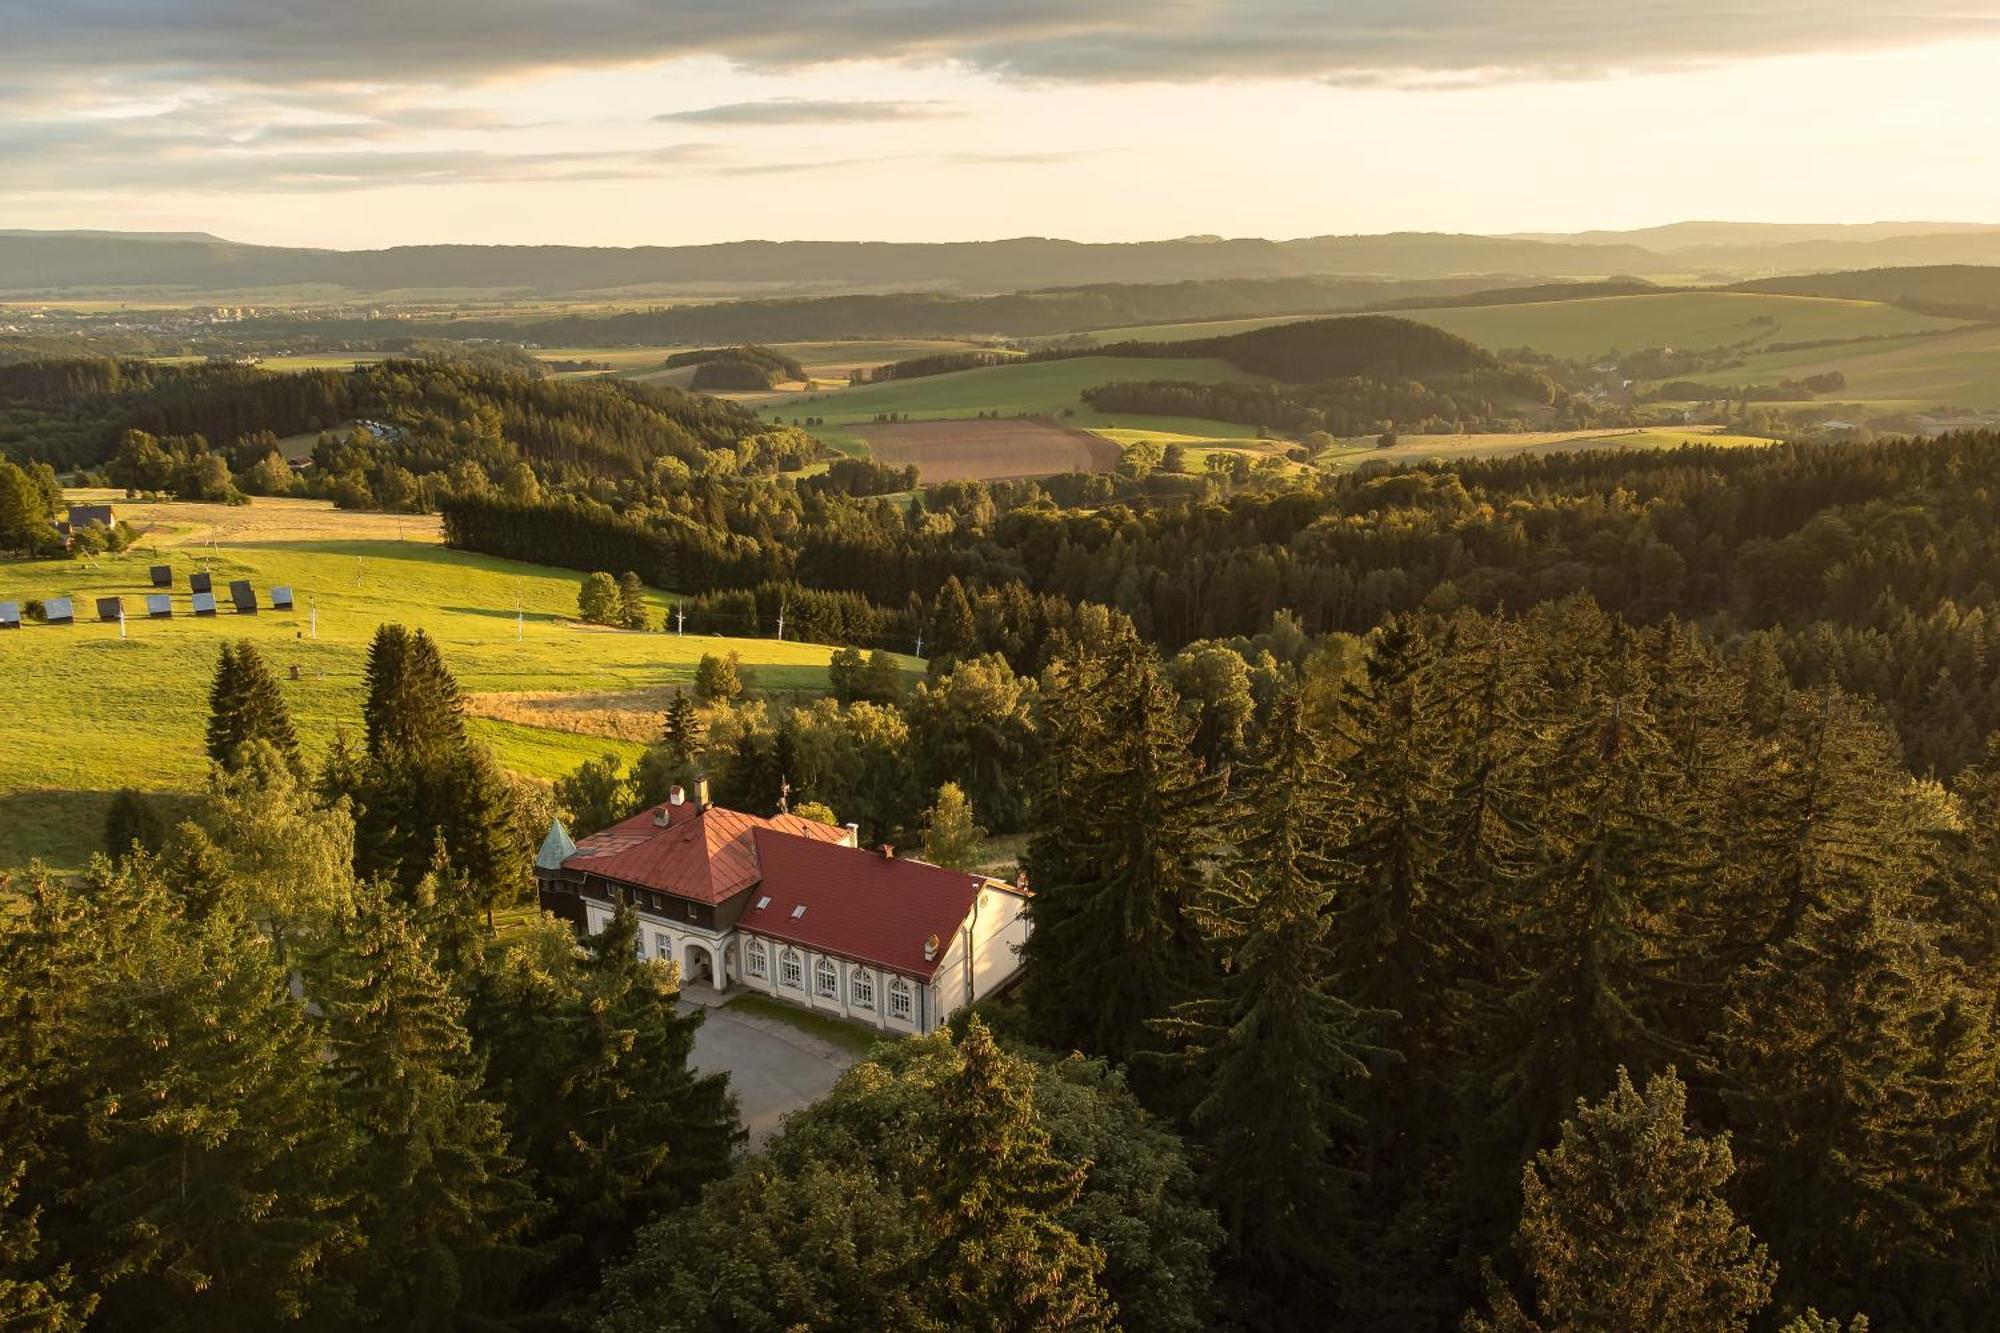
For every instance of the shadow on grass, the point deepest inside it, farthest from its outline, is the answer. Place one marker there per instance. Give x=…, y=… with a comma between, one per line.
x=64, y=829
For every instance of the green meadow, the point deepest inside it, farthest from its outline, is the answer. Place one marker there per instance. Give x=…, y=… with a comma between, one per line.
x=1575, y=329
x=1040, y=388
x=89, y=711
x=1957, y=369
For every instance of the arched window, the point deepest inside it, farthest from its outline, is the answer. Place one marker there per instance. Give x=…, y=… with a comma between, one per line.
x=864, y=988
x=753, y=958
x=791, y=970
x=899, y=998
x=826, y=979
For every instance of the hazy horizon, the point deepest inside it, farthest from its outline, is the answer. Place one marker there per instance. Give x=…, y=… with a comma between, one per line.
x=623, y=122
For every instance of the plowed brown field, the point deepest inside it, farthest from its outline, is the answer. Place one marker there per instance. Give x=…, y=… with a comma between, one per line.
x=988, y=450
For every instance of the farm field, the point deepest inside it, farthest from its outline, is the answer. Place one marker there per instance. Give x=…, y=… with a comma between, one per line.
x=1576, y=329
x=988, y=450
x=1419, y=448
x=1050, y=389
x=823, y=361
x=89, y=712
x=1959, y=369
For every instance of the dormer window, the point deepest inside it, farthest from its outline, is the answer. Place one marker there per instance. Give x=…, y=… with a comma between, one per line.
x=763, y=903
x=798, y=911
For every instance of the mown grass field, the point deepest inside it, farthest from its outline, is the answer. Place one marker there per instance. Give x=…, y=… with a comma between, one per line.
x=1042, y=388
x=1421, y=448
x=89, y=712
x=1959, y=369
x=1575, y=329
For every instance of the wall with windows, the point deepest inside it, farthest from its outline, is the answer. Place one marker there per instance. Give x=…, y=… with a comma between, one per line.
x=835, y=985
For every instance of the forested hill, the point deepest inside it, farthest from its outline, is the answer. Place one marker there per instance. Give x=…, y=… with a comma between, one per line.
x=73, y=413
x=1362, y=374
x=1324, y=349
x=1021, y=314
x=1958, y=291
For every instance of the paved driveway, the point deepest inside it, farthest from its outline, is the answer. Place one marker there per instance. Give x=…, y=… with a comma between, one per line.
x=773, y=1068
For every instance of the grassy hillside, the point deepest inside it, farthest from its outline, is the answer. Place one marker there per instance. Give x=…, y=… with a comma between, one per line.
x=1583, y=328
x=89, y=712
x=1045, y=388
x=1960, y=369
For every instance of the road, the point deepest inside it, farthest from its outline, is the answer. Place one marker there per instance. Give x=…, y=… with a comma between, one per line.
x=773, y=1068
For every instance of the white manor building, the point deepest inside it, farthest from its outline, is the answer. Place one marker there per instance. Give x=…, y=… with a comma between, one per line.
x=791, y=907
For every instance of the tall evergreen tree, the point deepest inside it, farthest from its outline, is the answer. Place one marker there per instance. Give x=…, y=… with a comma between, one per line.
x=588, y=1054
x=440, y=1198
x=245, y=704
x=1859, y=1065
x=682, y=731
x=1624, y=1226
x=172, y=1092
x=1272, y=1046
x=1125, y=818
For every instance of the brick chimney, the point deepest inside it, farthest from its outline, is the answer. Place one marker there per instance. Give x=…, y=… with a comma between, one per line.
x=888, y=851
x=930, y=949
x=676, y=795
x=701, y=793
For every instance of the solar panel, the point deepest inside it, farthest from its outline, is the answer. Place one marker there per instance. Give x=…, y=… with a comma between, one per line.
x=200, y=583
x=160, y=606
x=111, y=608
x=10, y=615
x=204, y=603
x=281, y=599
x=163, y=576
x=59, y=611
x=245, y=597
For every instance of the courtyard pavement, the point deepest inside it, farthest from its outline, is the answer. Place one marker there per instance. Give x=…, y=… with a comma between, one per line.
x=773, y=1068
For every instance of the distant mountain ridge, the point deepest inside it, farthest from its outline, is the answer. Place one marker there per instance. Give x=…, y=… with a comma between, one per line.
x=189, y=265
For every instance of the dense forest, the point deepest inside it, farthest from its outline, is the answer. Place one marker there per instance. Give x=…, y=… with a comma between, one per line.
x=1550, y=892
x=395, y=434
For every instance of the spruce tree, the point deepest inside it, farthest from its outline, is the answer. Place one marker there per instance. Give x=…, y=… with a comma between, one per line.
x=1270, y=1049
x=1394, y=946
x=1858, y=1064
x=682, y=730
x=954, y=632
x=632, y=610
x=1624, y=1226
x=439, y=1197
x=1124, y=819
x=1597, y=941
x=173, y=1092
x=245, y=704
x=589, y=1056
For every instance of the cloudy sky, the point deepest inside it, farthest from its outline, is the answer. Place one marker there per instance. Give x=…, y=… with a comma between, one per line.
x=374, y=122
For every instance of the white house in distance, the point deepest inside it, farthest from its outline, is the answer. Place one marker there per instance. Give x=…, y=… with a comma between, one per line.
x=792, y=908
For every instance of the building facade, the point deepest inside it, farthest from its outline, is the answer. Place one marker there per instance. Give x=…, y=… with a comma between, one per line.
x=794, y=909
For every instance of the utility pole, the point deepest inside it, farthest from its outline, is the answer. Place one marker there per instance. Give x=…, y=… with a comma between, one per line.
x=781, y=622
x=312, y=607
x=920, y=643
x=680, y=621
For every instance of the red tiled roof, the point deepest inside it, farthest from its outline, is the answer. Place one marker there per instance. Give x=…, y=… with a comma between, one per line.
x=705, y=855
x=859, y=905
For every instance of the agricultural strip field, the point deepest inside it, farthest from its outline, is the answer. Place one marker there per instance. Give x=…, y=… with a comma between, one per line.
x=89, y=712
x=1448, y=448
x=1960, y=369
x=1576, y=329
x=1051, y=389
x=989, y=450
